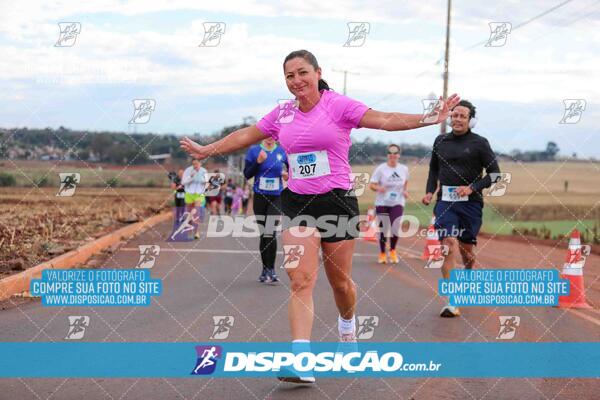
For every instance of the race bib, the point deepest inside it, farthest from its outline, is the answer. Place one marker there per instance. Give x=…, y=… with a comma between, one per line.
x=449, y=194
x=268, y=183
x=309, y=165
x=179, y=195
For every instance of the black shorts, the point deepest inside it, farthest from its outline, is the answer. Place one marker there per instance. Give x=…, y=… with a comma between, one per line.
x=179, y=202
x=339, y=203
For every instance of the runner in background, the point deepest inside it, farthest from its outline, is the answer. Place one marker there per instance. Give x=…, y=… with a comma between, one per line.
x=245, y=198
x=228, y=196
x=214, y=202
x=194, y=181
x=179, y=193
x=390, y=181
x=236, y=206
x=457, y=161
x=265, y=163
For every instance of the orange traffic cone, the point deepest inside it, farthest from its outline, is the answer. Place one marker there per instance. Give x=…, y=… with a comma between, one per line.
x=370, y=234
x=573, y=271
x=433, y=246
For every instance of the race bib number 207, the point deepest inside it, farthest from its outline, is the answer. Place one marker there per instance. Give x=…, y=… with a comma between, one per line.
x=309, y=165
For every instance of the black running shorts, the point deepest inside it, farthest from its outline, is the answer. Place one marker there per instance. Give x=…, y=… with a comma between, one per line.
x=338, y=206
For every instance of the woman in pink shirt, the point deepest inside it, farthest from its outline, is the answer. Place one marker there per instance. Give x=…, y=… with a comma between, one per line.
x=314, y=130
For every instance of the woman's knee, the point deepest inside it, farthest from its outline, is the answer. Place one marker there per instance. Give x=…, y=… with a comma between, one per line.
x=302, y=282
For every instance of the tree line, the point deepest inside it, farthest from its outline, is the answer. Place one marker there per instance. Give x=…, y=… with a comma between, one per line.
x=124, y=148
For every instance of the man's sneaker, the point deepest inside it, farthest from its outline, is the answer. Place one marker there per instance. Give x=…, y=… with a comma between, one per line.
x=273, y=275
x=450, y=312
x=393, y=257
x=263, y=276
x=382, y=258
x=197, y=236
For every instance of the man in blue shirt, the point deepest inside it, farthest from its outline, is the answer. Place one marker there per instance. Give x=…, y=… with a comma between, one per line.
x=265, y=163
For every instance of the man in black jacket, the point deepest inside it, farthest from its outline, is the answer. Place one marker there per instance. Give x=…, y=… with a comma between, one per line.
x=457, y=161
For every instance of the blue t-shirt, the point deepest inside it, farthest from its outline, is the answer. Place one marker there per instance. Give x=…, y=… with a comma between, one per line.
x=267, y=176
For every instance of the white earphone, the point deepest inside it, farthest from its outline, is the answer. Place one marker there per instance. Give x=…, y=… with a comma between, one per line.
x=472, y=122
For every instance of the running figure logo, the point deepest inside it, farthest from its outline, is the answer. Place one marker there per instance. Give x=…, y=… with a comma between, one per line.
x=186, y=223
x=578, y=256
x=366, y=326
x=142, y=110
x=68, y=183
x=77, y=325
x=498, y=34
x=214, y=181
x=212, y=34
x=291, y=255
x=68, y=34
x=359, y=183
x=148, y=255
x=508, y=327
x=500, y=183
x=437, y=255
x=287, y=110
x=431, y=110
x=574, y=108
x=207, y=359
x=357, y=33
x=223, y=323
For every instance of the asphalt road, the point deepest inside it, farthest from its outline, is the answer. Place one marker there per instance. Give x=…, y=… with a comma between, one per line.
x=218, y=277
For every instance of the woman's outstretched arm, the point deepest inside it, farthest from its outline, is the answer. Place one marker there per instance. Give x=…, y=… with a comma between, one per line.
x=391, y=121
x=236, y=140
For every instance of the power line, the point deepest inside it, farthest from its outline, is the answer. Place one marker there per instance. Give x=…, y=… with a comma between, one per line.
x=520, y=25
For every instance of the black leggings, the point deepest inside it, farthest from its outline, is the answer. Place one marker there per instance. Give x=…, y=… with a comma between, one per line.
x=264, y=206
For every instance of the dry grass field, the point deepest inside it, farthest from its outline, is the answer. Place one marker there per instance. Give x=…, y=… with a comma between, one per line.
x=36, y=225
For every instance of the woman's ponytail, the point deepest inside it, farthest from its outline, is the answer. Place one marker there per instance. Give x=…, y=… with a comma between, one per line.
x=323, y=85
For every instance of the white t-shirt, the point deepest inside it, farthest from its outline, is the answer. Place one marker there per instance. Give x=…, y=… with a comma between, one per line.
x=393, y=180
x=195, y=184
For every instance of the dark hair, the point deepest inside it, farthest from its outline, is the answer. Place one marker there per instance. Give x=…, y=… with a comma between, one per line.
x=394, y=145
x=309, y=58
x=469, y=105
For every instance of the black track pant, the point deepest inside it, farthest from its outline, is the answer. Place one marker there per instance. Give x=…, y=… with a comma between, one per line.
x=263, y=207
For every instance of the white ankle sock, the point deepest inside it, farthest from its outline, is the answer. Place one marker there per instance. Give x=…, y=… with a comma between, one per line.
x=346, y=326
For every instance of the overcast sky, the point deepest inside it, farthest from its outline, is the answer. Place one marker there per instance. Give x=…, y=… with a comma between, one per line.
x=150, y=49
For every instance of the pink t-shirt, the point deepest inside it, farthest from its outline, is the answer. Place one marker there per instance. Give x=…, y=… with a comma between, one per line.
x=326, y=127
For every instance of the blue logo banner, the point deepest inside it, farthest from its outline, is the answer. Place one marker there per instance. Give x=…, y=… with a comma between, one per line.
x=324, y=359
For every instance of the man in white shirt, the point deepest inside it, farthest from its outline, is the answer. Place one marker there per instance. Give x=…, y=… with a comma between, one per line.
x=194, y=181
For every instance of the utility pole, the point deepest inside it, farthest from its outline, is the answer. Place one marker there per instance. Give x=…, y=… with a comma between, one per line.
x=345, y=72
x=446, y=61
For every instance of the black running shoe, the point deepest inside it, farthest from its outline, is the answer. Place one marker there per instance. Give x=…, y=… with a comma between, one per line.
x=273, y=275
x=263, y=276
